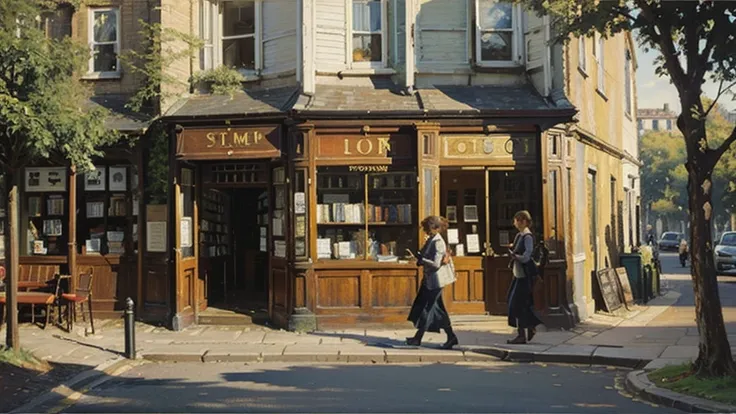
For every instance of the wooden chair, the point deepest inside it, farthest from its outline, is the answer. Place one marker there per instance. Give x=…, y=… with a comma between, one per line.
x=45, y=299
x=82, y=295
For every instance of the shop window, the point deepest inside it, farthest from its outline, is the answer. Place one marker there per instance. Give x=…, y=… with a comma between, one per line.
x=496, y=33
x=367, y=34
x=463, y=204
x=231, y=32
x=512, y=191
x=278, y=220
x=370, y=216
x=45, y=212
x=104, y=41
x=301, y=212
x=428, y=192
x=553, y=194
x=107, y=222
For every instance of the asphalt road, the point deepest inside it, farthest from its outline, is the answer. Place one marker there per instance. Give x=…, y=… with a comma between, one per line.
x=486, y=387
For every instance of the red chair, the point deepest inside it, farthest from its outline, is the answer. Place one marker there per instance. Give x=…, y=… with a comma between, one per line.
x=82, y=295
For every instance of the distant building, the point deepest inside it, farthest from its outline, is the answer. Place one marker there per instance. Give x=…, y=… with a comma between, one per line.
x=657, y=119
x=731, y=117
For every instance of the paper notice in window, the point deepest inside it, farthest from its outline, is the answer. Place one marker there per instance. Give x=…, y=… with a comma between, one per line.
x=452, y=236
x=460, y=250
x=473, y=243
x=300, y=205
x=324, y=248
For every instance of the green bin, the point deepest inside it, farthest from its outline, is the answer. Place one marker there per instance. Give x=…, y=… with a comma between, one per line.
x=634, y=269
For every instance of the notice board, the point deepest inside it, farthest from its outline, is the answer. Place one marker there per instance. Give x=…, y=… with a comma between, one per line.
x=609, y=288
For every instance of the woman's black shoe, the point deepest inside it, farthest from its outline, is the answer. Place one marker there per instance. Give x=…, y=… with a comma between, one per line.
x=413, y=342
x=450, y=343
x=518, y=340
x=530, y=333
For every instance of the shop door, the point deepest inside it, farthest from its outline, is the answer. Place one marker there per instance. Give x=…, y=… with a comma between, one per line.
x=463, y=201
x=278, y=286
x=187, y=280
x=509, y=192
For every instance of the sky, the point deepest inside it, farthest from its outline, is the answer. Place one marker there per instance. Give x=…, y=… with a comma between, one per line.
x=653, y=91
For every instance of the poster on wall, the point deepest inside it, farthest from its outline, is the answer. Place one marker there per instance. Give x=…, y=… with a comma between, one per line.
x=95, y=180
x=300, y=205
x=185, y=227
x=452, y=214
x=470, y=214
x=45, y=179
x=473, y=243
x=118, y=179
x=156, y=236
x=453, y=236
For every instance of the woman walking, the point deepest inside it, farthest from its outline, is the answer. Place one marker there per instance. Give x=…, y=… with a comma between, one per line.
x=521, y=293
x=428, y=312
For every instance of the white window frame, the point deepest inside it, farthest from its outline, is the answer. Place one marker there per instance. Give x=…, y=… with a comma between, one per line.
x=215, y=27
x=91, y=43
x=517, y=36
x=600, y=60
x=628, y=83
x=582, y=55
x=396, y=24
x=349, y=37
x=419, y=28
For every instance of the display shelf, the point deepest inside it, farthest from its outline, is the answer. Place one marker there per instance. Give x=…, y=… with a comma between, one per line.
x=214, y=228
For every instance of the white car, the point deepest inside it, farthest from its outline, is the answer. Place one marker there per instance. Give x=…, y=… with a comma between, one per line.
x=725, y=254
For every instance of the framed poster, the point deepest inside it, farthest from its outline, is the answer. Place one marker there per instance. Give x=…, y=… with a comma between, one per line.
x=118, y=179
x=95, y=180
x=451, y=214
x=470, y=214
x=45, y=179
x=156, y=236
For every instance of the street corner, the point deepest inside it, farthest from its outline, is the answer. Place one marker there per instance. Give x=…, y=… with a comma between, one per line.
x=638, y=384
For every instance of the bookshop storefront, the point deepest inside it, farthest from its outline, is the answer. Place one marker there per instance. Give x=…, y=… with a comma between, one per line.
x=72, y=223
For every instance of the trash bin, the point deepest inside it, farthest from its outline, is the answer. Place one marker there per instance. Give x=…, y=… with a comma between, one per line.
x=633, y=265
x=648, y=276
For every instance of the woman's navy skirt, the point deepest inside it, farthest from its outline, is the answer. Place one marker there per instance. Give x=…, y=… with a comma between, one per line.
x=428, y=312
x=521, y=304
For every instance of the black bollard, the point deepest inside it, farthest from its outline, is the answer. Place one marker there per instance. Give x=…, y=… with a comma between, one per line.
x=129, y=329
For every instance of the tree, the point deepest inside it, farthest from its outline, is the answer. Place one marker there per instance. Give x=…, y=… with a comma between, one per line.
x=42, y=115
x=695, y=41
x=664, y=179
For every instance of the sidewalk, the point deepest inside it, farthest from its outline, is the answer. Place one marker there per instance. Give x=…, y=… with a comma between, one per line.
x=638, y=340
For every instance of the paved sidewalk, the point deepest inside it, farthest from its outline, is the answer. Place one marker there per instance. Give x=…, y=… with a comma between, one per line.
x=632, y=341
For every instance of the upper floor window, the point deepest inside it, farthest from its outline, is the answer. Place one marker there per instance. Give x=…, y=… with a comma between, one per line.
x=601, y=70
x=496, y=34
x=627, y=83
x=104, y=41
x=655, y=124
x=231, y=31
x=58, y=24
x=368, y=46
x=582, y=57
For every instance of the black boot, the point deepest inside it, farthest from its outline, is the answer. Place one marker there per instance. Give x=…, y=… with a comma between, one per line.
x=416, y=340
x=451, y=339
x=520, y=338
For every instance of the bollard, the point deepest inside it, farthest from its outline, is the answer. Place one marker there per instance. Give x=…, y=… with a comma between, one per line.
x=129, y=329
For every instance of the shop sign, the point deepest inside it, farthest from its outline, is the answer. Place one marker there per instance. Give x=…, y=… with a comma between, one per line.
x=363, y=147
x=503, y=146
x=229, y=143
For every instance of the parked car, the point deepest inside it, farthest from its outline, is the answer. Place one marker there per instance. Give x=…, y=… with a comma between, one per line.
x=725, y=254
x=670, y=240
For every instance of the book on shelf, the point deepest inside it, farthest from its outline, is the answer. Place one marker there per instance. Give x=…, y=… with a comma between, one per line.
x=117, y=206
x=394, y=213
x=115, y=247
x=55, y=206
x=95, y=209
x=341, y=213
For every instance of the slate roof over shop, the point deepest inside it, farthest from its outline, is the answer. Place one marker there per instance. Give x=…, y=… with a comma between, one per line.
x=487, y=99
x=381, y=95
x=120, y=118
x=248, y=102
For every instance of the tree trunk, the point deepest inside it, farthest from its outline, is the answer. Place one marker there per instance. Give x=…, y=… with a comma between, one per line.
x=11, y=263
x=714, y=357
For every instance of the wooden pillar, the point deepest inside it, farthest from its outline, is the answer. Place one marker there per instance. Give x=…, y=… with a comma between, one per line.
x=12, y=268
x=72, y=253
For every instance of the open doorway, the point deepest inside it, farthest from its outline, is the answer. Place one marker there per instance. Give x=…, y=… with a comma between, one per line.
x=234, y=258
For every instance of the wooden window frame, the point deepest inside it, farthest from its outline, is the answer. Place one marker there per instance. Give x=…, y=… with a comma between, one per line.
x=349, y=36
x=516, y=38
x=91, y=73
x=215, y=28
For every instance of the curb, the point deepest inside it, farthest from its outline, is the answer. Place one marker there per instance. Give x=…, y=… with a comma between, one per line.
x=402, y=356
x=637, y=383
x=77, y=384
x=559, y=358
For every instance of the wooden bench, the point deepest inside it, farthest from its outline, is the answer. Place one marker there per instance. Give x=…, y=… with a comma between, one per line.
x=33, y=299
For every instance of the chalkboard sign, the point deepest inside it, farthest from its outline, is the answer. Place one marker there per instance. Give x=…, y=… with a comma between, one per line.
x=609, y=288
x=623, y=278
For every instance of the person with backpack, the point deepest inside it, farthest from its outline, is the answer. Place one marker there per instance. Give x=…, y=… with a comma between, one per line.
x=521, y=314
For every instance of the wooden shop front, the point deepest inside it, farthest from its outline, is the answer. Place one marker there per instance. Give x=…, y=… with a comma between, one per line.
x=229, y=205
x=73, y=223
x=360, y=191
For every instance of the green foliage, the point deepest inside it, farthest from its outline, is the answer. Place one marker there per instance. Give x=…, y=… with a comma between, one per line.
x=223, y=80
x=681, y=378
x=157, y=164
x=163, y=49
x=44, y=109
